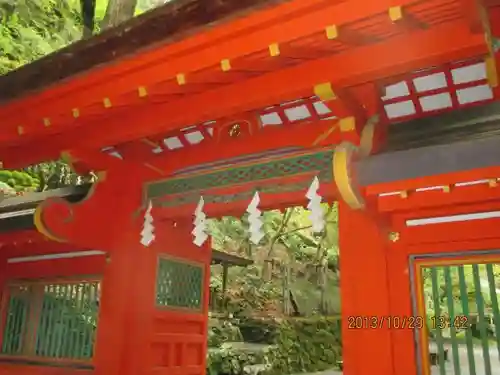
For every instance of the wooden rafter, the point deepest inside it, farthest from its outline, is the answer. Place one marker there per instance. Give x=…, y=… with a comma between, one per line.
x=416, y=50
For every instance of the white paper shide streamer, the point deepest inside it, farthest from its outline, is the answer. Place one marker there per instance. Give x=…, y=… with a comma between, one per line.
x=317, y=215
x=200, y=224
x=254, y=218
x=148, y=229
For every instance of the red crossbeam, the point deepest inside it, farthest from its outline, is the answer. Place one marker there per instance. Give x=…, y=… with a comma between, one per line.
x=360, y=65
x=242, y=37
x=439, y=45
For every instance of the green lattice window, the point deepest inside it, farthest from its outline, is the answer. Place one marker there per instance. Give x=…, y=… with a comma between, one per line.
x=51, y=320
x=179, y=284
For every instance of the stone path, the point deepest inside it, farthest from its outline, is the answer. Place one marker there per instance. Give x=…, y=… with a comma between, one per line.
x=464, y=362
x=449, y=370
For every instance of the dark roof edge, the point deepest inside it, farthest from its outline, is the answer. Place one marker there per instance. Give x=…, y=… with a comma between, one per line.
x=31, y=200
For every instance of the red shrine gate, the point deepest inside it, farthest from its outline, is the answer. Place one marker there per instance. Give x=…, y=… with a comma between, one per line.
x=366, y=85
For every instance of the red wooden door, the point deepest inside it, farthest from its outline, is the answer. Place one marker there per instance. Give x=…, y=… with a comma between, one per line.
x=181, y=312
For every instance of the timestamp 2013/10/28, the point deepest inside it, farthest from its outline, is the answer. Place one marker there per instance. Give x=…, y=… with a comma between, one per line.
x=391, y=322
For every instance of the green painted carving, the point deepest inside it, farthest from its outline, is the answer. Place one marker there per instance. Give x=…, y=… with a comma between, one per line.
x=320, y=162
x=180, y=200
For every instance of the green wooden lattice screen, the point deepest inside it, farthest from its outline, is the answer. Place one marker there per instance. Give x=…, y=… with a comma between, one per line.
x=179, y=284
x=65, y=325
x=463, y=318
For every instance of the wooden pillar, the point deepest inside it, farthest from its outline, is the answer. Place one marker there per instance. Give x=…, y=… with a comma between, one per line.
x=405, y=361
x=225, y=271
x=126, y=309
x=364, y=294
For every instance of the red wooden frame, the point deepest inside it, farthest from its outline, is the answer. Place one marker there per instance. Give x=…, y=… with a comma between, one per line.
x=230, y=74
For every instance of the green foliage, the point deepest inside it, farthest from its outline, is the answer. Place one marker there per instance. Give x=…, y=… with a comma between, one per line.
x=291, y=257
x=228, y=360
x=222, y=331
x=297, y=345
x=20, y=181
x=31, y=29
x=307, y=345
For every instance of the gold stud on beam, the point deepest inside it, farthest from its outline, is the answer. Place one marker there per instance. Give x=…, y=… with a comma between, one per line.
x=46, y=122
x=107, y=103
x=181, y=79
x=403, y=194
x=20, y=130
x=446, y=189
x=396, y=13
x=493, y=182
x=274, y=49
x=324, y=91
x=332, y=32
x=225, y=65
x=394, y=236
x=142, y=91
x=76, y=112
x=347, y=124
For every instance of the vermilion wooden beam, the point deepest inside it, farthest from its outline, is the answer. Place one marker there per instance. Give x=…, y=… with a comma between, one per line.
x=242, y=37
x=364, y=64
x=439, y=45
x=306, y=135
x=112, y=84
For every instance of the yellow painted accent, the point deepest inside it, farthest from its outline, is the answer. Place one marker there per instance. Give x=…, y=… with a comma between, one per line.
x=332, y=32
x=181, y=79
x=326, y=134
x=152, y=167
x=46, y=122
x=446, y=189
x=491, y=71
x=41, y=227
x=403, y=194
x=367, y=134
x=491, y=68
x=493, y=182
x=396, y=13
x=20, y=130
x=324, y=91
x=274, y=49
x=424, y=343
x=225, y=65
x=76, y=112
x=341, y=161
x=347, y=124
x=107, y=103
x=142, y=91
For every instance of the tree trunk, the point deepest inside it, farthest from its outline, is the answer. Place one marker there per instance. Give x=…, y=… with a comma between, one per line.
x=88, y=16
x=118, y=11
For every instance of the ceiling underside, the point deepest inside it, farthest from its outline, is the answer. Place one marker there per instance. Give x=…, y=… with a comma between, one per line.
x=176, y=114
